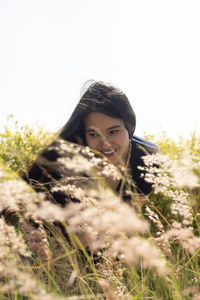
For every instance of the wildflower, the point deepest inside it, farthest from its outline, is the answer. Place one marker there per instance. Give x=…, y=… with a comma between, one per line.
x=25, y=284
x=183, y=235
x=77, y=164
x=108, y=291
x=11, y=243
x=161, y=172
x=182, y=171
x=35, y=237
x=154, y=218
x=137, y=250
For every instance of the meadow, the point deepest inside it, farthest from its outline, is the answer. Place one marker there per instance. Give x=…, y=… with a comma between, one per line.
x=98, y=247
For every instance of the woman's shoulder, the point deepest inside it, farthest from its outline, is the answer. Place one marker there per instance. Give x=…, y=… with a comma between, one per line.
x=140, y=144
x=140, y=148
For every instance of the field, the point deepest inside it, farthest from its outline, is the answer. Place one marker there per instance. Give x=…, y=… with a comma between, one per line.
x=100, y=248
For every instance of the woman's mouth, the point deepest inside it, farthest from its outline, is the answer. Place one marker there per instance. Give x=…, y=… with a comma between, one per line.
x=109, y=153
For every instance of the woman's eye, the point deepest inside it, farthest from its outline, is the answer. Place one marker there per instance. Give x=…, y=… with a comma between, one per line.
x=115, y=131
x=93, y=134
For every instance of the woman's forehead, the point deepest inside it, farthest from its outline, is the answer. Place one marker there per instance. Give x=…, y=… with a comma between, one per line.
x=100, y=120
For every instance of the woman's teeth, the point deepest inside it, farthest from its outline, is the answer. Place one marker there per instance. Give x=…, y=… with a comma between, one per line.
x=108, y=152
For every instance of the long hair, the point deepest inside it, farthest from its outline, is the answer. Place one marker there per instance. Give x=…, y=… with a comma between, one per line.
x=99, y=97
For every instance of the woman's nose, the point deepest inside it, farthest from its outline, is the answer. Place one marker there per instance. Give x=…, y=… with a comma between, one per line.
x=105, y=142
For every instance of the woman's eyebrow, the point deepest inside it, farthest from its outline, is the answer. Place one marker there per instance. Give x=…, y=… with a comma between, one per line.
x=110, y=128
x=90, y=130
x=114, y=127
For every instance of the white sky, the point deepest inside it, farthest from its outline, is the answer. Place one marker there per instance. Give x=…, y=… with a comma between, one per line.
x=149, y=48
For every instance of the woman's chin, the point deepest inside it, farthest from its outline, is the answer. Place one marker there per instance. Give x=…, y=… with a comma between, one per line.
x=117, y=162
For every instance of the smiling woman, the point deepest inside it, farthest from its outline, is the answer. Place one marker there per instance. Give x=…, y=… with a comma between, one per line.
x=105, y=121
x=107, y=135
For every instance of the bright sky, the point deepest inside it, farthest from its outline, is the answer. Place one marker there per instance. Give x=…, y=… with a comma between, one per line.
x=149, y=49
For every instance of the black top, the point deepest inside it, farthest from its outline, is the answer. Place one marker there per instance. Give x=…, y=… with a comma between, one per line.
x=140, y=148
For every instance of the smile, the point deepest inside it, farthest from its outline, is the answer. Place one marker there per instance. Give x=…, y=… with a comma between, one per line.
x=108, y=152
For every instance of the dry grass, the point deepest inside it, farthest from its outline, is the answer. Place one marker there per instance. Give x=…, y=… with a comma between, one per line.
x=100, y=247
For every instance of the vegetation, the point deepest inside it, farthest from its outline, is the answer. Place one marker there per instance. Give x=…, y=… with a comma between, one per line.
x=100, y=248
x=19, y=145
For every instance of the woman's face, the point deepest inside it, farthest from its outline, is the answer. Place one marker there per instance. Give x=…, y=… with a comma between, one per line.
x=107, y=135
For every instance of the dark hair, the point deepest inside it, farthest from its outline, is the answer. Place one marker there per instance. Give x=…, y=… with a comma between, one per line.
x=99, y=97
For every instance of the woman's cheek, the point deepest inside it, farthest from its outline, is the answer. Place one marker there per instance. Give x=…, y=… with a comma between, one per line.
x=91, y=142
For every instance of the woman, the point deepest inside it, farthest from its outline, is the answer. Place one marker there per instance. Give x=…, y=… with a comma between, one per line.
x=105, y=121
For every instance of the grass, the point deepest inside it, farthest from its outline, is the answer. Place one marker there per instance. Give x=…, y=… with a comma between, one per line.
x=101, y=248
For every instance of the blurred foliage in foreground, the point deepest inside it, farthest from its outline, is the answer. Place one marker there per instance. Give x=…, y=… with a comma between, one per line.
x=100, y=248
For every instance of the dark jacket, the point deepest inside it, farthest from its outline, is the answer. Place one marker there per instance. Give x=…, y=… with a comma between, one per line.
x=140, y=148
